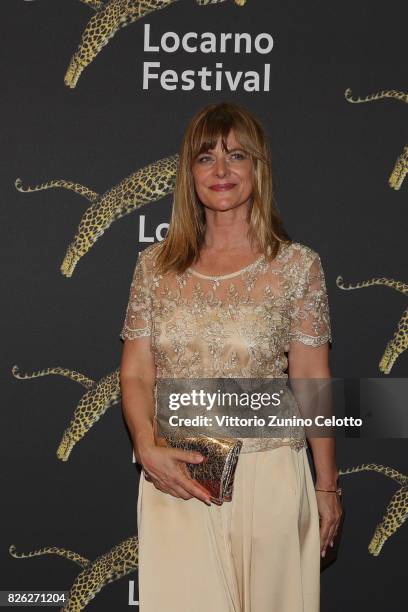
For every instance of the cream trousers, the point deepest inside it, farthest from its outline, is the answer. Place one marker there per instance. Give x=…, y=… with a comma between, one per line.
x=258, y=553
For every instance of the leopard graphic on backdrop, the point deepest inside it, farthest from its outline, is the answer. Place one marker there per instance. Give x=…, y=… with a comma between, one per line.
x=121, y=560
x=100, y=396
x=399, y=342
x=396, y=512
x=146, y=185
x=109, y=17
x=400, y=169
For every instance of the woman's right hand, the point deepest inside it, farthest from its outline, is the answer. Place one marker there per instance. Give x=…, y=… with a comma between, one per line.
x=167, y=470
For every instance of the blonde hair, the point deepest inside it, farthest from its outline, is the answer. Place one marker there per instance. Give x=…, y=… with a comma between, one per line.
x=186, y=231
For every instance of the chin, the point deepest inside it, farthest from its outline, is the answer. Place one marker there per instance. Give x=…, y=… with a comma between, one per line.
x=221, y=206
x=225, y=201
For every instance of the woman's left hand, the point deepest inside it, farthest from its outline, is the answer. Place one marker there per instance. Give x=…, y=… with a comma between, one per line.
x=330, y=511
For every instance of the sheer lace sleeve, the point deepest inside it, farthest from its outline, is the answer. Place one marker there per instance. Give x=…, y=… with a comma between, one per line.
x=310, y=319
x=137, y=321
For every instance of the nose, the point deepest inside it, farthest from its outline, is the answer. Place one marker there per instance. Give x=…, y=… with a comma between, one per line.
x=221, y=166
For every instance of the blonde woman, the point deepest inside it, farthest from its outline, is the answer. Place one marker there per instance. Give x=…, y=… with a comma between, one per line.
x=227, y=294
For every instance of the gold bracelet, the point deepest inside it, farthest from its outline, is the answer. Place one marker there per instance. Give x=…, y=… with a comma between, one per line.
x=338, y=491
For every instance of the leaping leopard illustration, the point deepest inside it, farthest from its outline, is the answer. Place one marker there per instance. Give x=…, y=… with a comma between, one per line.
x=379, y=95
x=399, y=342
x=400, y=169
x=110, y=16
x=100, y=396
x=121, y=560
x=146, y=185
x=396, y=512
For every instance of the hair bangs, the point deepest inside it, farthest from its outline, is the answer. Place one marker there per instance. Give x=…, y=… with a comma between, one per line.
x=218, y=124
x=208, y=131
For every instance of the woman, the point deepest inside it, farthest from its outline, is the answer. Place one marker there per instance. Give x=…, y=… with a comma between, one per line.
x=227, y=294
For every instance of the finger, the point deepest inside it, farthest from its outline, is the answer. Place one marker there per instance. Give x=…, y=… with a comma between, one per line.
x=181, y=492
x=165, y=488
x=330, y=536
x=324, y=532
x=184, y=486
x=180, y=484
x=178, y=490
x=336, y=530
x=195, y=489
x=332, y=533
x=198, y=488
x=171, y=491
x=176, y=484
x=188, y=456
x=191, y=485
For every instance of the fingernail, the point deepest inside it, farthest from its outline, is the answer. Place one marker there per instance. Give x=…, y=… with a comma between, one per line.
x=323, y=553
x=332, y=544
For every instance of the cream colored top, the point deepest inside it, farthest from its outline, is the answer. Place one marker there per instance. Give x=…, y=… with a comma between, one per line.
x=233, y=325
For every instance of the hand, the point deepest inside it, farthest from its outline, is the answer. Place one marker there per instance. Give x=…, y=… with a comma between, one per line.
x=330, y=511
x=166, y=469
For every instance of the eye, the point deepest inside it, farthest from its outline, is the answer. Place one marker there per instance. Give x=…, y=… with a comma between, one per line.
x=203, y=158
x=238, y=155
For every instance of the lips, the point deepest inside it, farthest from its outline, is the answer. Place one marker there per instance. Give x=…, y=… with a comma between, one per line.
x=222, y=186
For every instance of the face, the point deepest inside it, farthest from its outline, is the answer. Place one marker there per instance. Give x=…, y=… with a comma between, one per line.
x=223, y=179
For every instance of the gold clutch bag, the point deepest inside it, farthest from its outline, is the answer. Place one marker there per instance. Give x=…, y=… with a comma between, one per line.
x=216, y=473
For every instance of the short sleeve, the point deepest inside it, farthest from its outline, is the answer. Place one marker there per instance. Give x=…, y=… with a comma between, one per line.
x=138, y=318
x=310, y=317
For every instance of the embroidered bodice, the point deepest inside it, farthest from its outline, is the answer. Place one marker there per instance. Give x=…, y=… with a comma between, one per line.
x=237, y=325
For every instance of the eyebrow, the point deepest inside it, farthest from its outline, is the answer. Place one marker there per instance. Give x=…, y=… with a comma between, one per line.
x=230, y=150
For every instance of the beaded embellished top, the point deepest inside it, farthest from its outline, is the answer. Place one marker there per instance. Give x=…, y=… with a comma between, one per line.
x=239, y=325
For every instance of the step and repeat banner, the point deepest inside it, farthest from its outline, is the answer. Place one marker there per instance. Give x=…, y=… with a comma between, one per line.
x=96, y=95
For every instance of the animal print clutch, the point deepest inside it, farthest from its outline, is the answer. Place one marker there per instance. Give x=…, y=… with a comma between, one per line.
x=217, y=472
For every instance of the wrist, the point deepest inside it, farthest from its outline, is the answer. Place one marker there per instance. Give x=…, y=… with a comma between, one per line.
x=143, y=442
x=327, y=481
x=142, y=453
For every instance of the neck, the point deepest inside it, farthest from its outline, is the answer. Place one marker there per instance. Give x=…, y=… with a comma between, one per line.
x=227, y=230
